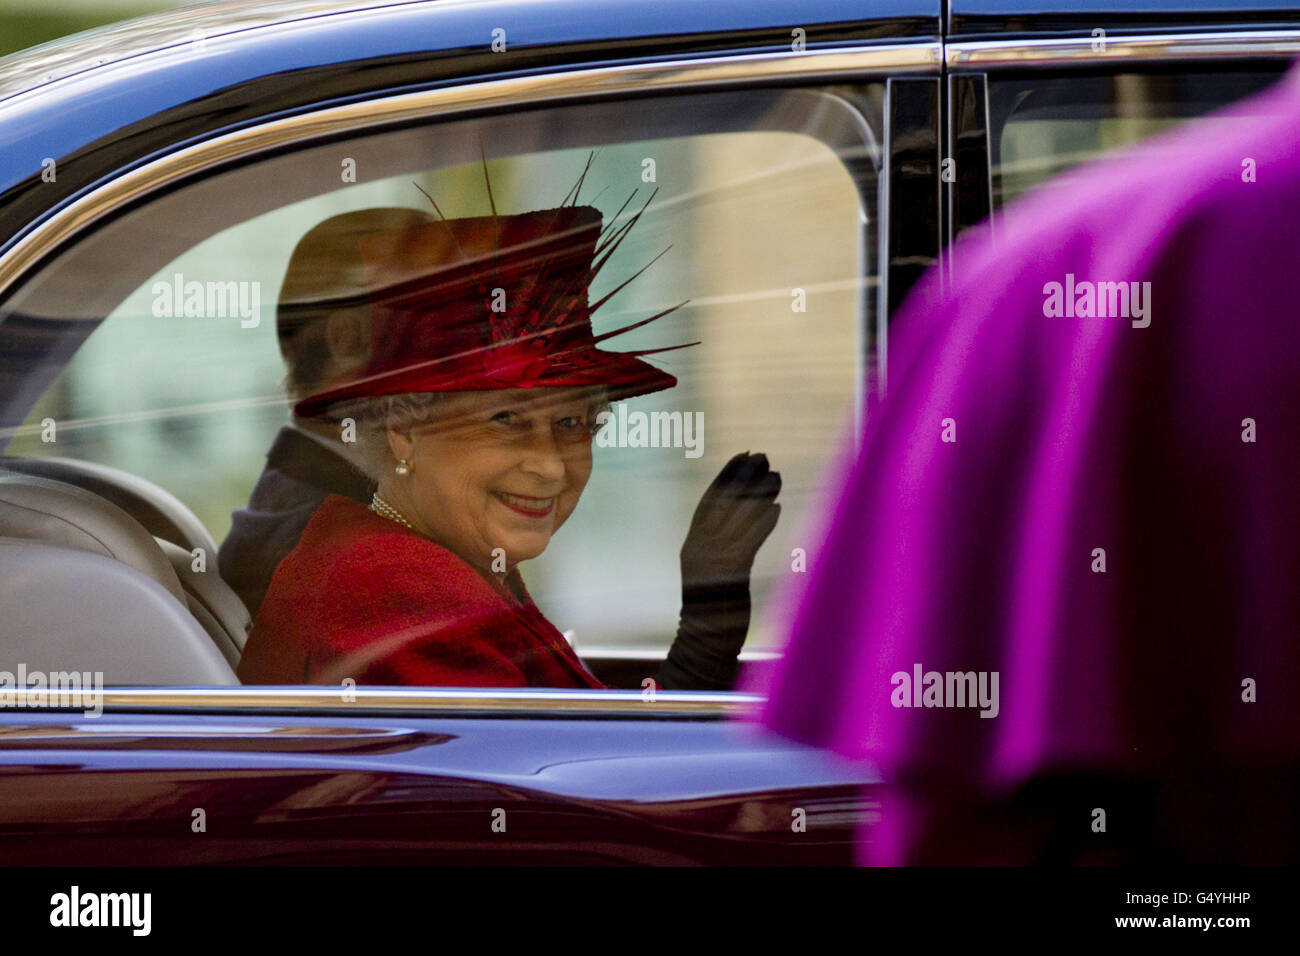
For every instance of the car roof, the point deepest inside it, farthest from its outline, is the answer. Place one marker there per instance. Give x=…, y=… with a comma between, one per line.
x=191, y=69
x=236, y=61
x=31, y=68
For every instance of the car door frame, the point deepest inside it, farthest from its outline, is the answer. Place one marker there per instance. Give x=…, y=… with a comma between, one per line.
x=970, y=63
x=907, y=65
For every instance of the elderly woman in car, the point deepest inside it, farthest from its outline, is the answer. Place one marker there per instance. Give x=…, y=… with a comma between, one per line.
x=475, y=414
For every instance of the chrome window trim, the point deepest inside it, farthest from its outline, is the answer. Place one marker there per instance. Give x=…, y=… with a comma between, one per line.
x=1148, y=48
x=432, y=702
x=611, y=652
x=445, y=102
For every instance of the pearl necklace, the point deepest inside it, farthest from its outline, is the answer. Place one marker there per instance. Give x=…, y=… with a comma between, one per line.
x=382, y=508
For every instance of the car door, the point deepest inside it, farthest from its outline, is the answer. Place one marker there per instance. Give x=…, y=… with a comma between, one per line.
x=1036, y=93
x=774, y=152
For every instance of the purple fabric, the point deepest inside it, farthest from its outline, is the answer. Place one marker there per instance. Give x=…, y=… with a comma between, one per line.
x=1073, y=434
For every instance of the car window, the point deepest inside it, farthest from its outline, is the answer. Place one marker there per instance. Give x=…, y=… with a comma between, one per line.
x=1044, y=125
x=151, y=344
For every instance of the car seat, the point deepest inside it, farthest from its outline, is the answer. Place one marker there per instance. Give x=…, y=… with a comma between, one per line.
x=84, y=586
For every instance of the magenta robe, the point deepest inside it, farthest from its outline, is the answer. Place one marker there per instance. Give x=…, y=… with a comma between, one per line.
x=1114, y=531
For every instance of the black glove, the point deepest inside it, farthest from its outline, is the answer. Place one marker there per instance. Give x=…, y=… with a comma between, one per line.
x=733, y=519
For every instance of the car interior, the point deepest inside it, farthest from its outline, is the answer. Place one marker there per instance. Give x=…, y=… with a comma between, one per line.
x=125, y=550
x=87, y=548
x=91, y=549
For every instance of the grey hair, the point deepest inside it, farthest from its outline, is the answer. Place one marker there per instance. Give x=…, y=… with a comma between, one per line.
x=375, y=416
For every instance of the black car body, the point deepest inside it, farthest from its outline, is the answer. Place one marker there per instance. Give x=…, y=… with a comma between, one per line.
x=939, y=113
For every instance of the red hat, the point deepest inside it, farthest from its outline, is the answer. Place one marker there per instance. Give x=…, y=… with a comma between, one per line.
x=492, y=302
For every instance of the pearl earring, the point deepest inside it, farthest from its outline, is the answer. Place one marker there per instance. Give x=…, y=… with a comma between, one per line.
x=403, y=467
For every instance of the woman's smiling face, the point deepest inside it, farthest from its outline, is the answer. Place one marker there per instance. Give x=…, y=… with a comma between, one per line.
x=496, y=469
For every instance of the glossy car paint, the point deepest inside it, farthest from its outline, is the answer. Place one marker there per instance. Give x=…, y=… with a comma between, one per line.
x=299, y=789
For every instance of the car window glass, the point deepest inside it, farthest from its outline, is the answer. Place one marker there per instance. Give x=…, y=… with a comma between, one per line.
x=762, y=220
x=1045, y=125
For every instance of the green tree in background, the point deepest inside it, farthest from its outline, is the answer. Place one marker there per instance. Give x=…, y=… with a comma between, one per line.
x=28, y=23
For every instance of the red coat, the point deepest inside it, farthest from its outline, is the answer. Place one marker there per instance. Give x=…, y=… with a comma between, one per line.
x=364, y=597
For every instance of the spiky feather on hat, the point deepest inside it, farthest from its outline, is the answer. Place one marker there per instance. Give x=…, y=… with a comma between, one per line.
x=496, y=302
